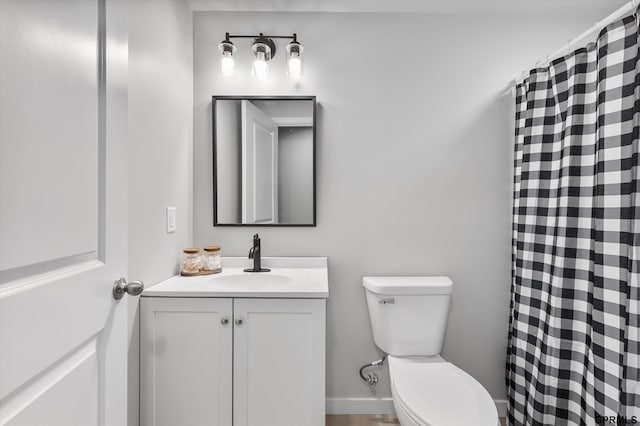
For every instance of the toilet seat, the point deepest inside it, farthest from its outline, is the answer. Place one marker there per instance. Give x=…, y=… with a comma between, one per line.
x=434, y=392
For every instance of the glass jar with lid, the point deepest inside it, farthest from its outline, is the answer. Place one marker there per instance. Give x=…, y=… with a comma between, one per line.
x=211, y=260
x=191, y=262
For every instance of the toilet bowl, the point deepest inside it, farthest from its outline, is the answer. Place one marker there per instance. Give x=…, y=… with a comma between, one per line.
x=408, y=318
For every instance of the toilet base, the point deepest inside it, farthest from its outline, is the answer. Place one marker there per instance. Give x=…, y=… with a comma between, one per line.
x=405, y=418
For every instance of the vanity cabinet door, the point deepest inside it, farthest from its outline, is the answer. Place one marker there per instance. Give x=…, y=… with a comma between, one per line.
x=185, y=361
x=279, y=362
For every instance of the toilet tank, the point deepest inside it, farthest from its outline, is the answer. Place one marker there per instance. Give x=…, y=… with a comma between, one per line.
x=408, y=314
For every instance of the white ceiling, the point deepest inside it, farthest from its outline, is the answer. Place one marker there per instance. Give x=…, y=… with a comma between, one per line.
x=413, y=6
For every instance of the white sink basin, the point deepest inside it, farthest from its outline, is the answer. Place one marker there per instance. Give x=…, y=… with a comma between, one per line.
x=299, y=277
x=264, y=280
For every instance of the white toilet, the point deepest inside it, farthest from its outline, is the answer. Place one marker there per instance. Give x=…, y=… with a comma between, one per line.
x=408, y=317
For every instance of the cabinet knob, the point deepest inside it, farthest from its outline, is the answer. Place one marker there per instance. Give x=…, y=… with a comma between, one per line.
x=238, y=321
x=224, y=320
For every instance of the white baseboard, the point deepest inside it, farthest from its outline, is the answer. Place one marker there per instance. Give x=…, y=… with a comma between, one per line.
x=359, y=406
x=379, y=406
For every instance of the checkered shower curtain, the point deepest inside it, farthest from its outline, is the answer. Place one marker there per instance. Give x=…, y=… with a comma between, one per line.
x=573, y=352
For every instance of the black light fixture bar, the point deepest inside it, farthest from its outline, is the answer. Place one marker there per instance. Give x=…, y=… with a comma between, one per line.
x=228, y=36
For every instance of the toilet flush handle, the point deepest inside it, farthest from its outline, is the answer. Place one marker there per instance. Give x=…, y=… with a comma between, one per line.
x=387, y=301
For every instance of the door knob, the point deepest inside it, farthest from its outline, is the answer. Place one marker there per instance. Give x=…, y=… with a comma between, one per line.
x=224, y=320
x=120, y=287
x=238, y=321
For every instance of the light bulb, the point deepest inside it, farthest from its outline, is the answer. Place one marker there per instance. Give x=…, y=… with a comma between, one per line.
x=260, y=66
x=227, y=65
x=227, y=60
x=294, y=58
x=295, y=67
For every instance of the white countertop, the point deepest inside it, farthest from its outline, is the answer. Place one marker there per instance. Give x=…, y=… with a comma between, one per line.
x=290, y=277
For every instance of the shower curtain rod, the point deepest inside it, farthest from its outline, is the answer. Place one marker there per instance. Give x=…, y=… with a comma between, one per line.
x=571, y=45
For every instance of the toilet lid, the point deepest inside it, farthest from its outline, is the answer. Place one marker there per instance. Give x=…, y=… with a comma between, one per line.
x=438, y=393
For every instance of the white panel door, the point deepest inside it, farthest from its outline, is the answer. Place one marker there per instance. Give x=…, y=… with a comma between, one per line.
x=259, y=166
x=185, y=361
x=279, y=362
x=63, y=211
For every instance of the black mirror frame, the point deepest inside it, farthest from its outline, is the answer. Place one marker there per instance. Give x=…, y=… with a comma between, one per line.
x=214, y=99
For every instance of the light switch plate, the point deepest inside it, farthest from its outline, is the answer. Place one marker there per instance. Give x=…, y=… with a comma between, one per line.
x=171, y=220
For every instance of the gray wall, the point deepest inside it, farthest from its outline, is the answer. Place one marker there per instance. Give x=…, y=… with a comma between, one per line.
x=160, y=149
x=295, y=174
x=414, y=171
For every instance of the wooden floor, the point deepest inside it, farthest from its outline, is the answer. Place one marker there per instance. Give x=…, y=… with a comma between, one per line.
x=370, y=420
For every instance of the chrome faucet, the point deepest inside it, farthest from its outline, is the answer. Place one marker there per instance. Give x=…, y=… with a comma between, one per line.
x=254, y=253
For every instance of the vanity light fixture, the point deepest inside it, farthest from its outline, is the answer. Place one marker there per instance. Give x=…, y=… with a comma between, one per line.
x=264, y=49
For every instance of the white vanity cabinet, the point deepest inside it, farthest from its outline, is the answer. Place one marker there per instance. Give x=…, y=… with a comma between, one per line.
x=186, y=356
x=232, y=361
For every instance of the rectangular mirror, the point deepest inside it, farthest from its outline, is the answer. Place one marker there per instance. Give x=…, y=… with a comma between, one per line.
x=264, y=161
